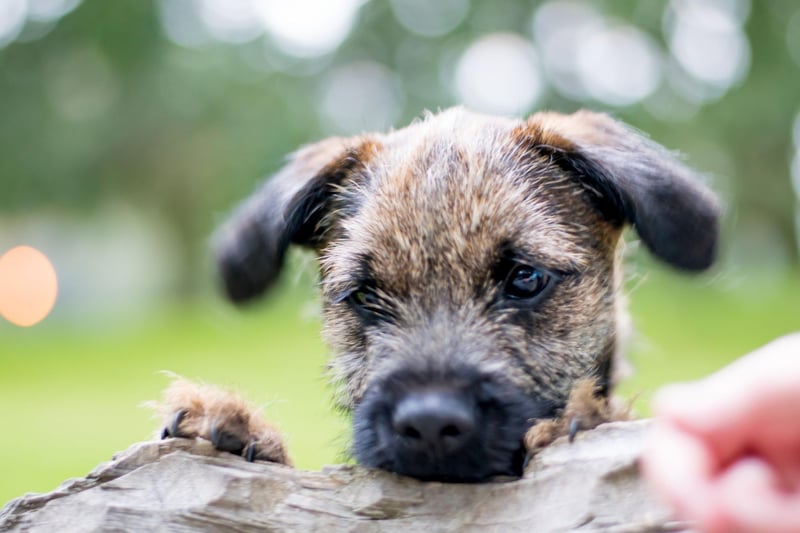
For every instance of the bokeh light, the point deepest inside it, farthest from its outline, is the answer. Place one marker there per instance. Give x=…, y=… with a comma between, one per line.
x=28, y=286
x=50, y=10
x=619, y=65
x=558, y=29
x=182, y=23
x=230, y=21
x=430, y=19
x=589, y=56
x=707, y=39
x=308, y=28
x=193, y=23
x=12, y=19
x=30, y=19
x=361, y=96
x=499, y=73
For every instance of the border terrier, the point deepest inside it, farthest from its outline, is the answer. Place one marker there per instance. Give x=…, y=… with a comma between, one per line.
x=469, y=269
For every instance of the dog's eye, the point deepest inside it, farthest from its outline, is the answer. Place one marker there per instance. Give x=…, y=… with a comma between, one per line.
x=363, y=298
x=525, y=282
x=366, y=302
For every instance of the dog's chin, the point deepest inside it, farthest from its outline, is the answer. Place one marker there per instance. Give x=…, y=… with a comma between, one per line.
x=501, y=413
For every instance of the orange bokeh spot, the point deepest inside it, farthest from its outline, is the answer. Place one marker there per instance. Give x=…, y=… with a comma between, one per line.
x=28, y=286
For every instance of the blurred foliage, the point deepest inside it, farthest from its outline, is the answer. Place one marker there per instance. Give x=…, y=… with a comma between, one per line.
x=101, y=107
x=104, y=106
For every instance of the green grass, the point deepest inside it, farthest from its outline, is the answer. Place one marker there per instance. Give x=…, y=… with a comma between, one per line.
x=686, y=328
x=70, y=394
x=71, y=397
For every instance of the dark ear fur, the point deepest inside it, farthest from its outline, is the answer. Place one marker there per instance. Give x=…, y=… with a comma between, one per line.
x=637, y=181
x=288, y=208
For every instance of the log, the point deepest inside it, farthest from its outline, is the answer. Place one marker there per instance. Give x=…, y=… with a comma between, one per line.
x=592, y=484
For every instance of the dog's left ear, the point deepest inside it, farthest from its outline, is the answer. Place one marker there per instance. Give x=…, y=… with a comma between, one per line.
x=636, y=181
x=292, y=207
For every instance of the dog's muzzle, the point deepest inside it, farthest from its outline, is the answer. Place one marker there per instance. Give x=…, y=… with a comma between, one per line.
x=457, y=425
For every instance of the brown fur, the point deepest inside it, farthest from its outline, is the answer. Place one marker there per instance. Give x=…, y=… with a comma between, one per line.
x=585, y=409
x=419, y=222
x=439, y=237
x=194, y=410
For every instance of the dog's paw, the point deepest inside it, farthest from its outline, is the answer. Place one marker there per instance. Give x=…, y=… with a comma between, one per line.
x=193, y=410
x=585, y=410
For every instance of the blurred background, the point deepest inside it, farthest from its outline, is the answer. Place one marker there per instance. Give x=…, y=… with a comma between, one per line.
x=128, y=129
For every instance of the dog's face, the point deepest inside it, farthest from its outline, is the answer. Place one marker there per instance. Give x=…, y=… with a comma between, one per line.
x=468, y=270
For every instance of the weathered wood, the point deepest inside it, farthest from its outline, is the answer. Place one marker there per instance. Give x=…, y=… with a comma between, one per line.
x=184, y=485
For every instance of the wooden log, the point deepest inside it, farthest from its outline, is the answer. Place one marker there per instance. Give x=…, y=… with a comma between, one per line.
x=178, y=485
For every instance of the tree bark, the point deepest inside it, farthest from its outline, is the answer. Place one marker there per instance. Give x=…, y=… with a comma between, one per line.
x=592, y=484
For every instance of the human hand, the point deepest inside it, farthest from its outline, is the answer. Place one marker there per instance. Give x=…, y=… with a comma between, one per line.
x=724, y=451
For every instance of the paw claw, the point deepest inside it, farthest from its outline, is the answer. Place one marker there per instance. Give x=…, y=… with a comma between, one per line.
x=574, y=427
x=173, y=429
x=250, y=452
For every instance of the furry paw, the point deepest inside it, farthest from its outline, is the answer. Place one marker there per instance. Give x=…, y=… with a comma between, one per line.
x=193, y=410
x=585, y=410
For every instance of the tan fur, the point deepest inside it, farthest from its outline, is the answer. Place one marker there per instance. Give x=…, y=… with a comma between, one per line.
x=204, y=408
x=586, y=409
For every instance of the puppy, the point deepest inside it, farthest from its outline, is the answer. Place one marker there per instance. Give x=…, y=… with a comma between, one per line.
x=470, y=276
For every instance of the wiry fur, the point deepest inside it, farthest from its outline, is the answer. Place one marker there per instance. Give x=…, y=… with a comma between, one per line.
x=420, y=226
x=585, y=409
x=194, y=410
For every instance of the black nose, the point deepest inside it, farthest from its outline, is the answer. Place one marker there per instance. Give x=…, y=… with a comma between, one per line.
x=438, y=422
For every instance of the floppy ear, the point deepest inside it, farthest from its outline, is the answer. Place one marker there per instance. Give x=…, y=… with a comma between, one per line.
x=288, y=208
x=637, y=181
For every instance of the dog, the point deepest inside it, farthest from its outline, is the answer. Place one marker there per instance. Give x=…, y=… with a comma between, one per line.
x=470, y=272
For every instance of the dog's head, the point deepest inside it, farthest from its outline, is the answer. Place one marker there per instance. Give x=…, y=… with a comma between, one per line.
x=468, y=270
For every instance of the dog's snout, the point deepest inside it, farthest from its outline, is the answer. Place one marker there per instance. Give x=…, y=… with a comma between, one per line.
x=434, y=421
x=455, y=424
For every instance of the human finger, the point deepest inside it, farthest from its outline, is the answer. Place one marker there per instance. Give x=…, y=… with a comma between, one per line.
x=749, y=497
x=679, y=469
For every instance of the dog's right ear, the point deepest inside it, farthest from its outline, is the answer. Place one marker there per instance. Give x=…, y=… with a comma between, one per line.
x=637, y=181
x=291, y=207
